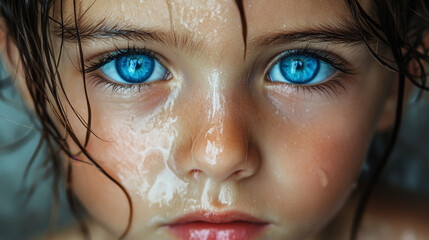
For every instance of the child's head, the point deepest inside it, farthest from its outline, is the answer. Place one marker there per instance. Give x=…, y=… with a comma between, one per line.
x=215, y=108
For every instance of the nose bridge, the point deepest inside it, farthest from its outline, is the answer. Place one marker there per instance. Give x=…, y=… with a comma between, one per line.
x=220, y=148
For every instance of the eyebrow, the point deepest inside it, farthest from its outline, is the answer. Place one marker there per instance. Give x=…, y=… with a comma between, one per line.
x=90, y=31
x=344, y=33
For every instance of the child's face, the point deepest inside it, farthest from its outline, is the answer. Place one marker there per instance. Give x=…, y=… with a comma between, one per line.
x=216, y=132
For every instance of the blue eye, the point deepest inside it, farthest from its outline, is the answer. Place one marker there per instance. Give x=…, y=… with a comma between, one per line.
x=134, y=69
x=300, y=69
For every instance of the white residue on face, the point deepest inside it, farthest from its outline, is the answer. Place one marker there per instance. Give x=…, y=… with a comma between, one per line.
x=149, y=147
x=151, y=143
x=217, y=100
x=166, y=186
x=192, y=15
x=226, y=196
x=210, y=134
x=206, y=199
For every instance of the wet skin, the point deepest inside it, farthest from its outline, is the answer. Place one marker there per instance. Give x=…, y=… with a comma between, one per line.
x=217, y=134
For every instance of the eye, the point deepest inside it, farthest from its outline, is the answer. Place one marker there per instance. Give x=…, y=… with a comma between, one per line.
x=300, y=69
x=134, y=69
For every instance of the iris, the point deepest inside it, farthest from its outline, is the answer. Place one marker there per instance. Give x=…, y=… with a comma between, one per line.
x=134, y=69
x=300, y=70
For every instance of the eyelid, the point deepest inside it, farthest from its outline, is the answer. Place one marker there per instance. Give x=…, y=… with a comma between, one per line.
x=104, y=58
x=330, y=58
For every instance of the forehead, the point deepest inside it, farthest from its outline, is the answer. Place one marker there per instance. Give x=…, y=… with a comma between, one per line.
x=203, y=17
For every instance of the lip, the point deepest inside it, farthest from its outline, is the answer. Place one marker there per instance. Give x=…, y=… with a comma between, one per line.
x=212, y=226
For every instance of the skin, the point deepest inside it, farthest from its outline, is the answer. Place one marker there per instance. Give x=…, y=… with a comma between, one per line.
x=210, y=139
x=217, y=135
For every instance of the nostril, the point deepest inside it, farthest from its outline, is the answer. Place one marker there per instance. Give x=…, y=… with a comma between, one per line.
x=240, y=174
x=195, y=173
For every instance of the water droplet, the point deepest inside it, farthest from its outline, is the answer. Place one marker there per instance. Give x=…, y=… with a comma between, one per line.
x=323, y=177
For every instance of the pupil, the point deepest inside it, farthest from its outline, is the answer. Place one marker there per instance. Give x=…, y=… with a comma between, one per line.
x=297, y=66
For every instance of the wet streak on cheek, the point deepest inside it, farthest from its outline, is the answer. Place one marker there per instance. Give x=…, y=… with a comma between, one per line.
x=137, y=142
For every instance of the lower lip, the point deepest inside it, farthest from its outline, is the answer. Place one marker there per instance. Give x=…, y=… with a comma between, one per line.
x=217, y=231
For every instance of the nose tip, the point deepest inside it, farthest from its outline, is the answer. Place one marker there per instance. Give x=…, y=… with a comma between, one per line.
x=222, y=152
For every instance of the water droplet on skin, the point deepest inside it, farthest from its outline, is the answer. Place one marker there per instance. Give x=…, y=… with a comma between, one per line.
x=323, y=177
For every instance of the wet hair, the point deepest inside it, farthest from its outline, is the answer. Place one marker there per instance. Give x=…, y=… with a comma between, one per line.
x=399, y=26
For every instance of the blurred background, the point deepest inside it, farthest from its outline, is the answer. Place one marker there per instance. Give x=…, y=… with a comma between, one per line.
x=25, y=214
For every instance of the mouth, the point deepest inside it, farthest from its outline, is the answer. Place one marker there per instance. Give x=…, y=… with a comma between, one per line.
x=215, y=226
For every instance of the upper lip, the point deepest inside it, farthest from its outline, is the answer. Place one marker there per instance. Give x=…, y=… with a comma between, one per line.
x=217, y=218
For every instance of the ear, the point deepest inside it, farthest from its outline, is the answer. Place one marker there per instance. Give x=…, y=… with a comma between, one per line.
x=12, y=63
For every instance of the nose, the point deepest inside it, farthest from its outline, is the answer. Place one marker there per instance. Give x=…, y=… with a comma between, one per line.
x=222, y=150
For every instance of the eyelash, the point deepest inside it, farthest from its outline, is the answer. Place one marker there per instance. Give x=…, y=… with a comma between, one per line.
x=329, y=87
x=99, y=62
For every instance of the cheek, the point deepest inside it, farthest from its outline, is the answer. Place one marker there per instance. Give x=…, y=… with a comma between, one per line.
x=314, y=156
x=134, y=157
x=132, y=142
